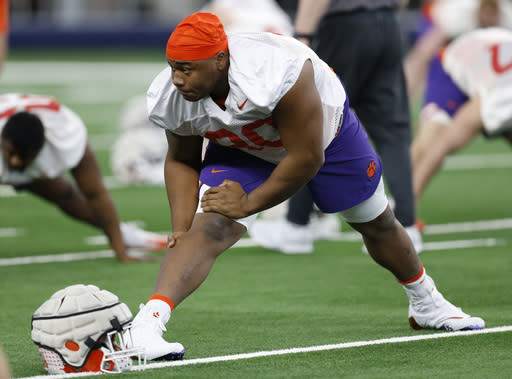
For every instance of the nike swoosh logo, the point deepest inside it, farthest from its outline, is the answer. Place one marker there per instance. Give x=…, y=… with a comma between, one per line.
x=217, y=171
x=243, y=104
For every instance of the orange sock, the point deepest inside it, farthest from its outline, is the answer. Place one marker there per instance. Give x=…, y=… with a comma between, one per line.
x=415, y=278
x=164, y=299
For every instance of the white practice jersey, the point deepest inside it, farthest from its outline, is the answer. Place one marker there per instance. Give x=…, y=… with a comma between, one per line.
x=242, y=16
x=65, y=134
x=263, y=68
x=456, y=17
x=480, y=62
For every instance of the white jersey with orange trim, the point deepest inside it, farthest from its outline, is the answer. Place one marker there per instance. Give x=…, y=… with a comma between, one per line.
x=480, y=62
x=65, y=138
x=456, y=17
x=263, y=68
x=242, y=16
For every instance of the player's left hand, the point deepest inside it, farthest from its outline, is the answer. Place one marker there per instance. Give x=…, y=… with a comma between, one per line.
x=228, y=199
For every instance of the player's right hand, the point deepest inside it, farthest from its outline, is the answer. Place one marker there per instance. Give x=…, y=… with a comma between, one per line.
x=172, y=239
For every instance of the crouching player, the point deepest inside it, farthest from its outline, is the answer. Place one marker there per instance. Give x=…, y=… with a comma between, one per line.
x=41, y=140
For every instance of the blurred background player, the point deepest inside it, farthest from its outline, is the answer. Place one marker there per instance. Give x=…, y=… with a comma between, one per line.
x=443, y=20
x=138, y=155
x=470, y=92
x=41, y=140
x=4, y=31
x=239, y=16
x=360, y=40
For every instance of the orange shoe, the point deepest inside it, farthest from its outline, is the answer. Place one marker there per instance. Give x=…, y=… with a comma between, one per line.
x=134, y=237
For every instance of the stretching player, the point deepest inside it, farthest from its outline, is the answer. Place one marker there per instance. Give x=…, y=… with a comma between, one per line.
x=469, y=92
x=40, y=141
x=277, y=118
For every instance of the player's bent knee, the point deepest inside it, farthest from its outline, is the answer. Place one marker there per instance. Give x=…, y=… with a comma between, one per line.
x=385, y=222
x=216, y=227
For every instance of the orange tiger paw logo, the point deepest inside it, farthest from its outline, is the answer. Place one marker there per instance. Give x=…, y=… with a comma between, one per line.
x=370, y=171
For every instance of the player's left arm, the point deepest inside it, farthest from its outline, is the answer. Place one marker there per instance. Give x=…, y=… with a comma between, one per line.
x=299, y=118
x=87, y=201
x=465, y=125
x=89, y=180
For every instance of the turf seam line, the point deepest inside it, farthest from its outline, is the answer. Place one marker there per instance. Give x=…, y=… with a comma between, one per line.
x=297, y=350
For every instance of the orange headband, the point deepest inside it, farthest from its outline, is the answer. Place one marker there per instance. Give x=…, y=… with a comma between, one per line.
x=198, y=36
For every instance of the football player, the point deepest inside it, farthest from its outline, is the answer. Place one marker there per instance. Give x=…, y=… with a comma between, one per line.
x=41, y=140
x=469, y=93
x=277, y=118
x=443, y=20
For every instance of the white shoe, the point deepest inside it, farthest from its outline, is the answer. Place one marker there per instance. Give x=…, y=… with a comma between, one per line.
x=325, y=226
x=135, y=237
x=415, y=236
x=428, y=309
x=282, y=235
x=147, y=330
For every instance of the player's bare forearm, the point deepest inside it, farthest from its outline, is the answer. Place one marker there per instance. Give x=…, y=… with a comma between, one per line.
x=98, y=201
x=299, y=118
x=182, y=167
x=230, y=199
x=182, y=184
x=64, y=194
x=286, y=179
x=106, y=216
x=309, y=13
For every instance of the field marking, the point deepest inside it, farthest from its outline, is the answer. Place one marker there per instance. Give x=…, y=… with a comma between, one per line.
x=464, y=162
x=477, y=161
x=11, y=232
x=470, y=226
x=246, y=242
x=296, y=350
x=65, y=257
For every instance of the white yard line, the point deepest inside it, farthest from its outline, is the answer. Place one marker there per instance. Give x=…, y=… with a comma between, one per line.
x=72, y=73
x=11, y=232
x=246, y=242
x=464, y=162
x=475, y=162
x=66, y=257
x=297, y=350
x=471, y=226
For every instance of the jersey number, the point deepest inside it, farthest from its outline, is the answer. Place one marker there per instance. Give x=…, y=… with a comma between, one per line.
x=249, y=132
x=40, y=102
x=497, y=67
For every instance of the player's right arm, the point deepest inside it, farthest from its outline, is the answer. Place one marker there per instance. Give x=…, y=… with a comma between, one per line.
x=181, y=172
x=465, y=125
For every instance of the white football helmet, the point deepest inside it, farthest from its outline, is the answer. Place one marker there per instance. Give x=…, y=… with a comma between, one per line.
x=80, y=329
